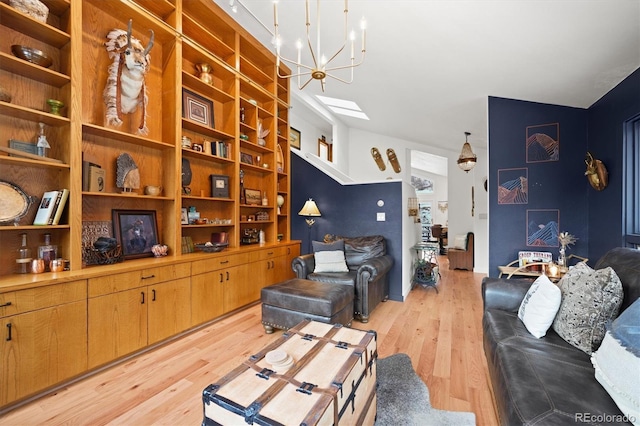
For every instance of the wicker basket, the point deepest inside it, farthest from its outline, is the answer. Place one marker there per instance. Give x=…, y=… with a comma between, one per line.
x=92, y=256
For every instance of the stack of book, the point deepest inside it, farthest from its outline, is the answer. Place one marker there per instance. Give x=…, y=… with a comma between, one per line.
x=51, y=207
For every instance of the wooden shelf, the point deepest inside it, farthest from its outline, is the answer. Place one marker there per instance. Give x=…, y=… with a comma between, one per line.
x=92, y=129
x=25, y=24
x=35, y=72
x=25, y=113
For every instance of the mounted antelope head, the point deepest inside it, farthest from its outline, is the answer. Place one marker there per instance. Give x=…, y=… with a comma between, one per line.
x=596, y=173
x=125, y=89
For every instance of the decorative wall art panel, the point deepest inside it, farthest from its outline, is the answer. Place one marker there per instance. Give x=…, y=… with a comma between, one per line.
x=513, y=186
x=542, y=228
x=543, y=143
x=422, y=185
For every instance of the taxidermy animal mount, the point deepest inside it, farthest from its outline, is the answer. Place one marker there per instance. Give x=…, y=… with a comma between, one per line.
x=125, y=89
x=127, y=173
x=596, y=173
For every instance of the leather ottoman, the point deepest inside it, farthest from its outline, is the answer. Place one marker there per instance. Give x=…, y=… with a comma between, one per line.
x=286, y=304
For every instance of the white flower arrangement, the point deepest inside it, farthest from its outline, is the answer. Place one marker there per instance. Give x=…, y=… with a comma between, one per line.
x=566, y=239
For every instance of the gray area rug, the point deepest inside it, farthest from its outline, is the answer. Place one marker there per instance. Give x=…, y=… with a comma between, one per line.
x=403, y=398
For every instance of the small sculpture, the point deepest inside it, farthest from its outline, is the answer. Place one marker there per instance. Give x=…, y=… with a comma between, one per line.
x=127, y=173
x=262, y=133
x=125, y=88
x=596, y=173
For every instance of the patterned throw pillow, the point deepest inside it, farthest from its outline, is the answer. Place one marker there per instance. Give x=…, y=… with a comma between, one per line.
x=590, y=300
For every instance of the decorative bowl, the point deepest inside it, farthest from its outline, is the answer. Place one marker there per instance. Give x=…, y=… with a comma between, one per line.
x=32, y=55
x=211, y=247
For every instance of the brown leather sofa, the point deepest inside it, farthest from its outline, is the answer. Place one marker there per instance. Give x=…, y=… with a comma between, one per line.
x=546, y=381
x=462, y=259
x=368, y=264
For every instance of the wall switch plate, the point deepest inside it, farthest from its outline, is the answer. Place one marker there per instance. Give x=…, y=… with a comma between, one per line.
x=381, y=217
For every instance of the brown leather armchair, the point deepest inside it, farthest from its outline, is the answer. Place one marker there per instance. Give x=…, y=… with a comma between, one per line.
x=462, y=259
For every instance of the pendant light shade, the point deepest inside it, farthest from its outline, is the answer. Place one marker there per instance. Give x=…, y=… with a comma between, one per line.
x=467, y=159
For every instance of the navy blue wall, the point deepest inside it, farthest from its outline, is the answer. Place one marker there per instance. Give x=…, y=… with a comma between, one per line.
x=348, y=210
x=595, y=217
x=552, y=185
x=606, y=118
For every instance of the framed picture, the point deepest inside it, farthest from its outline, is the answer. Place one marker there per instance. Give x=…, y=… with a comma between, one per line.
x=184, y=217
x=253, y=196
x=136, y=231
x=246, y=158
x=197, y=108
x=294, y=138
x=325, y=150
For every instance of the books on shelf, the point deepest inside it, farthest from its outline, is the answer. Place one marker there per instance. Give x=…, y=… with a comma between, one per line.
x=86, y=165
x=96, y=179
x=220, y=148
x=61, y=203
x=51, y=207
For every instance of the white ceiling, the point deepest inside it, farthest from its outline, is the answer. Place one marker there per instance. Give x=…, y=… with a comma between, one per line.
x=431, y=64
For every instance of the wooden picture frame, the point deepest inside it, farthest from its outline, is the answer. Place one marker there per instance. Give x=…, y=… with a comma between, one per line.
x=197, y=108
x=136, y=231
x=325, y=150
x=246, y=158
x=294, y=138
x=253, y=196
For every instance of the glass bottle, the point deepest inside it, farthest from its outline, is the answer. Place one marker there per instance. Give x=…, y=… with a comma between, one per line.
x=265, y=200
x=23, y=256
x=42, y=143
x=48, y=251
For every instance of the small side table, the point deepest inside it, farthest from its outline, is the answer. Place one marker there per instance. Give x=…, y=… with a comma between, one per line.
x=426, y=270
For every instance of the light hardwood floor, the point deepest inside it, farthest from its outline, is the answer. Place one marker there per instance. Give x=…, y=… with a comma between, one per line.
x=442, y=333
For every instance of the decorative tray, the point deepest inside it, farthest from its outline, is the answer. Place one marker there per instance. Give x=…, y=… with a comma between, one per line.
x=211, y=247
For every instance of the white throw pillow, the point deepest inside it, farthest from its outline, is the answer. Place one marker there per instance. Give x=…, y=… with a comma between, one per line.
x=460, y=242
x=617, y=362
x=540, y=306
x=330, y=261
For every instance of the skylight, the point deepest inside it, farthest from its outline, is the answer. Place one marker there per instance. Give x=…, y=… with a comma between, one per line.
x=343, y=107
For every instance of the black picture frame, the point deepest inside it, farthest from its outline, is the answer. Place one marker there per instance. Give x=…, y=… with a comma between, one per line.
x=197, y=108
x=136, y=231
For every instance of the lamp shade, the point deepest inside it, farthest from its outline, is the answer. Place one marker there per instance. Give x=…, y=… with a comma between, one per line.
x=309, y=209
x=467, y=159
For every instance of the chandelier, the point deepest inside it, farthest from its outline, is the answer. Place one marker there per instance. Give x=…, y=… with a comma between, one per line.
x=321, y=67
x=467, y=159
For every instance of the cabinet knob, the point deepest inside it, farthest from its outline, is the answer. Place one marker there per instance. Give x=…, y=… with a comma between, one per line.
x=153, y=297
x=9, y=332
x=142, y=293
x=148, y=277
x=5, y=304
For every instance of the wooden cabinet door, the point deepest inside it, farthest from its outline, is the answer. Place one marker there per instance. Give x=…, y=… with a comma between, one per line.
x=117, y=325
x=207, y=296
x=169, y=309
x=41, y=348
x=239, y=285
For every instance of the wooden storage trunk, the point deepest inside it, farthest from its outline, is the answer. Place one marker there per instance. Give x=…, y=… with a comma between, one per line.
x=332, y=381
